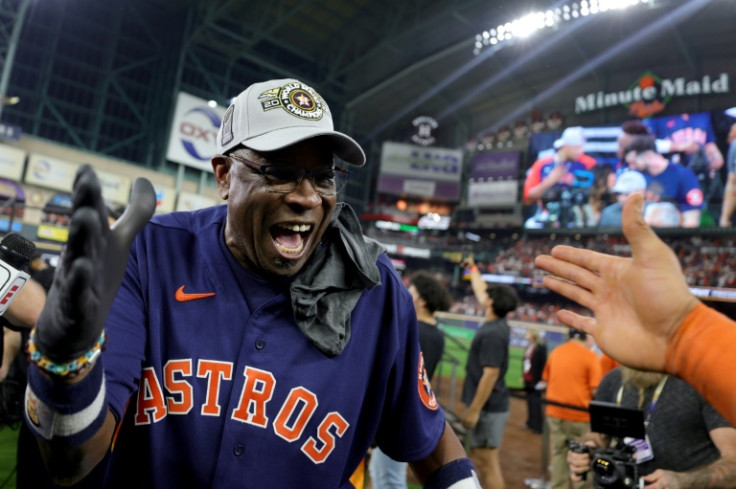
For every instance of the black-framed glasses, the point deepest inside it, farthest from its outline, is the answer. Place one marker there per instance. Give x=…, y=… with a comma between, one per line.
x=285, y=179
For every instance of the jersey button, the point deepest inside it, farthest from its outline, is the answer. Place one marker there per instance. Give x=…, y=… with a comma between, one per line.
x=260, y=344
x=238, y=449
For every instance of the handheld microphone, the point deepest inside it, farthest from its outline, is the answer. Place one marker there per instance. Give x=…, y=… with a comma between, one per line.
x=15, y=255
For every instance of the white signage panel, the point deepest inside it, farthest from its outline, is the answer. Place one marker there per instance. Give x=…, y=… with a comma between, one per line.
x=48, y=172
x=11, y=162
x=193, y=135
x=191, y=202
x=418, y=162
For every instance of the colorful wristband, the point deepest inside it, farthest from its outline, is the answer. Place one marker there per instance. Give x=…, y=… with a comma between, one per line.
x=64, y=369
x=66, y=412
x=458, y=474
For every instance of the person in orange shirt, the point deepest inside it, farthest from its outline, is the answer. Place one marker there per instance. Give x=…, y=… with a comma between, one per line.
x=572, y=374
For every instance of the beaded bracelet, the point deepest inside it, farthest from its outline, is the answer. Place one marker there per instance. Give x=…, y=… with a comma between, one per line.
x=69, y=369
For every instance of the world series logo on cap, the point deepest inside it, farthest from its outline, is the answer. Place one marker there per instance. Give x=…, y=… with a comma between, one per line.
x=296, y=98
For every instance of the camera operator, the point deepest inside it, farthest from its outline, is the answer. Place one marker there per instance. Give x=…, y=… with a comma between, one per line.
x=563, y=179
x=687, y=445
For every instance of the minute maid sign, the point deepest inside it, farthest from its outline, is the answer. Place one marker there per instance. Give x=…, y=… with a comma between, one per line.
x=650, y=94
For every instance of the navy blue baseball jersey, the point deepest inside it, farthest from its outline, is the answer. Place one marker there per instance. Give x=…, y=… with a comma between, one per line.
x=677, y=184
x=217, y=387
x=683, y=128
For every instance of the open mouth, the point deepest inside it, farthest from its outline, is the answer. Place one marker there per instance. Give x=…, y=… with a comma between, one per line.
x=290, y=239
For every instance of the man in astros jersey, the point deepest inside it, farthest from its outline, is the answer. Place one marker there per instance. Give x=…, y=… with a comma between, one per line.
x=263, y=343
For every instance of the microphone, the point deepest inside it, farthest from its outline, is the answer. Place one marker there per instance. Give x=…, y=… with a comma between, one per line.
x=15, y=255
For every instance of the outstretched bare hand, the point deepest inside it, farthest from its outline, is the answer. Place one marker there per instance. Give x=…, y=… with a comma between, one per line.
x=638, y=302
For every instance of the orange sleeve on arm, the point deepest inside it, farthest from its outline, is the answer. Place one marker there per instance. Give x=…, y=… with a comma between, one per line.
x=702, y=353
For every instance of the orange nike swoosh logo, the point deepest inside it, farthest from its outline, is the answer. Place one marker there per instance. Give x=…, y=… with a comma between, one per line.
x=182, y=296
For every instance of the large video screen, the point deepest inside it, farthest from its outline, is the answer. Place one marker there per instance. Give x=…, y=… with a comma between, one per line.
x=578, y=178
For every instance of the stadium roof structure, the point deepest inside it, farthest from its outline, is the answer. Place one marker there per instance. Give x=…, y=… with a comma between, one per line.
x=102, y=76
x=384, y=63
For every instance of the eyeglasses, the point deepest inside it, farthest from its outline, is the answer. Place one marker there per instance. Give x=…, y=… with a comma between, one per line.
x=285, y=179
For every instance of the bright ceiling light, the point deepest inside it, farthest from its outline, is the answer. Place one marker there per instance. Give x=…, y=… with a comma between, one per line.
x=527, y=25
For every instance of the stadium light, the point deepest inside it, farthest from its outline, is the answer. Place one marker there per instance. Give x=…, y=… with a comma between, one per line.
x=527, y=25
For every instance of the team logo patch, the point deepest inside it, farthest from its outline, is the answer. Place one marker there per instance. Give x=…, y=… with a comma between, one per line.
x=32, y=410
x=694, y=197
x=426, y=394
x=297, y=99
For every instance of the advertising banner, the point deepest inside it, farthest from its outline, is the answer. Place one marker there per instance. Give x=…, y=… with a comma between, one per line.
x=421, y=171
x=190, y=202
x=193, y=135
x=496, y=166
x=50, y=172
x=115, y=188
x=59, y=174
x=501, y=193
x=165, y=198
x=11, y=162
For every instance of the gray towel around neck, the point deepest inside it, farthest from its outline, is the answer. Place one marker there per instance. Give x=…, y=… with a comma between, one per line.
x=325, y=292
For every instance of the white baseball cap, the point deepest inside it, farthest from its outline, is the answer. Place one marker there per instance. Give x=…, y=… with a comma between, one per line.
x=572, y=136
x=629, y=181
x=731, y=112
x=662, y=215
x=272, y=115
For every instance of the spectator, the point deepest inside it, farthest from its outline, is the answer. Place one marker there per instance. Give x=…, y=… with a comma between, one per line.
x=572, y=375
x=693, y=146
x=635, y=127
x=667, y=182
x=484, y=392
x=429, y=296
x=729, y=193
x=626, y=184
x=535, y=358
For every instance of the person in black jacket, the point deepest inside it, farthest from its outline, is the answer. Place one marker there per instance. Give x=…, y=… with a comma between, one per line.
x=535, y=357
x=429, y=296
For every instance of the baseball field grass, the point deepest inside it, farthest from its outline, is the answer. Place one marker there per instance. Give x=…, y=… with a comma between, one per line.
x=8, y=444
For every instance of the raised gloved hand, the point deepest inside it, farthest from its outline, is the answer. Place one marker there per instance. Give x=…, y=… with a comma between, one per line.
x=90, y=269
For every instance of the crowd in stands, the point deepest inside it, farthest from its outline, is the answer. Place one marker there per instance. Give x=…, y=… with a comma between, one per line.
x=545, y=313
x=706, y=262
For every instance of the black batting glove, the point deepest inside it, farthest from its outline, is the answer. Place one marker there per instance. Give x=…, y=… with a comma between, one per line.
x=90, y=269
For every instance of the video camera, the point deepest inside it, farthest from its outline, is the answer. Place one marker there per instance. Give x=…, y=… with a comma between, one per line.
x=564, y=203
x=613, y=468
